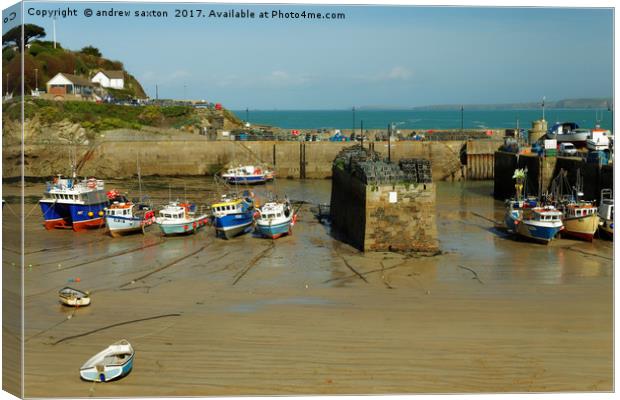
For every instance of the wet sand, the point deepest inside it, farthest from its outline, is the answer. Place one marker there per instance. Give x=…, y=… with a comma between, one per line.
x=255, y=316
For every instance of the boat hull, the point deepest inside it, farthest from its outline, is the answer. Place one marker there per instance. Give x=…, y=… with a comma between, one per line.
x=582, y=228
x=119, y=226
x=183, y=228
x=72, y=216
x=606, y=228
x=273, y=231
x=246, y=180
x=75, y=302
x=107, y=373
x=536, y=231
x=579, y=138
x=231, y=225
x=510, y=219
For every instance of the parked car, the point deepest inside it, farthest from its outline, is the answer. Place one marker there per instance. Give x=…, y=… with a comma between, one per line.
x=568, y=150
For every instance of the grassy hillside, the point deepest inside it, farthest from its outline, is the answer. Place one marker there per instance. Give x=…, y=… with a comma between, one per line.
x=100, y=117
x=48, y=61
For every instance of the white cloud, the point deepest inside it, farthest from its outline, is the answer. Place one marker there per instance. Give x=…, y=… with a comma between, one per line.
x=284, y=78
x=396, y=73
x=399, y=73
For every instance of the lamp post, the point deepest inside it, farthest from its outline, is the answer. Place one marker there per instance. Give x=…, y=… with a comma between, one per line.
x=461, y=120
x=353, y=126
x=390, y=142
x=36, y=79
x=7, y=84
x=247, y=114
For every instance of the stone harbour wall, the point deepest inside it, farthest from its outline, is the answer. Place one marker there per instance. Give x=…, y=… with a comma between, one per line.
x=401, y=218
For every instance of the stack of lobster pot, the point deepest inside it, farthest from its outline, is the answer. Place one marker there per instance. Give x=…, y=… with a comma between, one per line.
x=350, y=156
x=417, y=170
x=424, y=171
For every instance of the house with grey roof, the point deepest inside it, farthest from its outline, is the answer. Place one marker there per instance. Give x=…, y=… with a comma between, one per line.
x=110, y=79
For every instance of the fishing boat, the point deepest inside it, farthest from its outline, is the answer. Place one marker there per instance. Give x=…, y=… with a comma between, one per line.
x=275, y=219
x=568, y=132
x=180, y=218
x=606, y=213
x=527, y=217
x=540, y=224
x=112, y=363
x=73, y=297
x=247, y=174
x=124, y=216
x=127, y=217
x=580, y=217
x=72, y=204
x=233, y=215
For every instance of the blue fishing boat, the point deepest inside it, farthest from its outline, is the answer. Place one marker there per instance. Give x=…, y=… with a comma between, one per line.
x=275, y=219
x=540, y=224
x=180, y=219
x=71, y=204
x=233, y=216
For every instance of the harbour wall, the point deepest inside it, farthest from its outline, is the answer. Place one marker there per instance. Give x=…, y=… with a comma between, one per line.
x=542, y=170
x=187, y=157
x=364, y=216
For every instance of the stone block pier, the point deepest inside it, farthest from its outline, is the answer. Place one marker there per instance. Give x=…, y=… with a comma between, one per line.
x=383, y=206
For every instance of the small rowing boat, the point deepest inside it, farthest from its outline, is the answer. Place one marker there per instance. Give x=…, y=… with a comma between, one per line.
x=73, y=297
x=112, y=363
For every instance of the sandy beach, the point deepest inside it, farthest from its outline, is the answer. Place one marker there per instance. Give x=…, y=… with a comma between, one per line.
x=307, y=314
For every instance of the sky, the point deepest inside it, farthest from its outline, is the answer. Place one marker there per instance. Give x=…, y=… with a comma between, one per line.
x=400, y=56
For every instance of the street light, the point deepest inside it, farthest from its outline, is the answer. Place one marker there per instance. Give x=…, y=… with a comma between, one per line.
x=353, y=126
x=36, y=79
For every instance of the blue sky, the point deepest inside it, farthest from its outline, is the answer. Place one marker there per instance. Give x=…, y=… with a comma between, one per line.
x=396, y=56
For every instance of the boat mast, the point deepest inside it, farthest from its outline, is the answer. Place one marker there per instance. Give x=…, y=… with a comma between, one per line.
x=139, y=175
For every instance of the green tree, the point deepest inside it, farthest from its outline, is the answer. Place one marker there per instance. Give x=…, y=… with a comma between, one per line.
x=90, y=50
x=14, y=35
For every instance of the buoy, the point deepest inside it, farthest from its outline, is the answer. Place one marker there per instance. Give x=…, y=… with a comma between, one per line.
x=77, y=279
x=90, y=214
x=100, y=213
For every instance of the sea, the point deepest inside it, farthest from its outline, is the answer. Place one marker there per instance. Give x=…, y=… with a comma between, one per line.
x=427, y=119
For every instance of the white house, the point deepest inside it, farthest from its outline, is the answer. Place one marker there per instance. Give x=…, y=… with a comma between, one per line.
x=63, y=84
x=110, y=79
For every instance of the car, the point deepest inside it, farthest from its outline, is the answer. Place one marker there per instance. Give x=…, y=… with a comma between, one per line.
x=568, y=149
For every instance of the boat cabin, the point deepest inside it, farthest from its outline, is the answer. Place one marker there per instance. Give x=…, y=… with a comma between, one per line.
x=580, y=211
x=173, y=213
x=119, y=209
x=546, y=214
x=227, y=208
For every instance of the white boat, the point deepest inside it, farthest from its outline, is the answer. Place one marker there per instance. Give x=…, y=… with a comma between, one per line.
x=248, y=174
x=180, y=218
x=606, y=213
x=112, y=363
x=73, y=297
x=568, y=132
x=126, y=217
x=275, y=219
x=600, y=139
